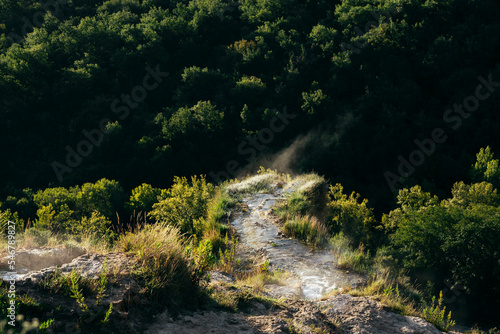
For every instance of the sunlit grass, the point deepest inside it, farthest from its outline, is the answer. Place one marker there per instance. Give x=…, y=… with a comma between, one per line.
x=163, y=263
x=308, y=229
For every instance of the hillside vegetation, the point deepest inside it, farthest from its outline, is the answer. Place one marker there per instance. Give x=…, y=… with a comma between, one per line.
x=184, y=232
x=126, y=119
x=140, y=91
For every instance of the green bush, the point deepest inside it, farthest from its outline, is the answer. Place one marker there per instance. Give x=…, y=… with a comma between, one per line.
x=465, y=195
x=486, y=167
x=436, y=314
x=60, y=220
x=62, y=210
x=351, y=216
x=6, y=216
x=97, y=224
x=184, y=203
x=143, y=198
x=459, y=242
x=105, y=196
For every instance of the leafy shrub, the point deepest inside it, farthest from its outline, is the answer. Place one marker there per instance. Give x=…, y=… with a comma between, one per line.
x=55, y=221
x=97, y=224
x=465, y=195
x=143, y=198
x=202, y=119
x=486, y=167
x=459, y=243
x=351, y=216
x=61, y=209
x=105, y=196
x=6, y=216
x=184, y=203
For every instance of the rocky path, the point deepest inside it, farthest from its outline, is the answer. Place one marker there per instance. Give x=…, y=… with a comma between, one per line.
x=316, y=272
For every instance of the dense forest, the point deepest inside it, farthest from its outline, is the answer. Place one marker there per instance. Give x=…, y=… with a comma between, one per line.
x=106, y=107
x=142, y=91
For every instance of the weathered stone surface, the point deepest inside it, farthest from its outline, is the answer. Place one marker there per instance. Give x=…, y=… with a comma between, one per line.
x=356, y=315
x=220, y=277
x=88, y=265
x=363, y=315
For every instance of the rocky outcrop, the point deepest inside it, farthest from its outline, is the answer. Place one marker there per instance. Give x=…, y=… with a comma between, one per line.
x=363, y=315
x=339, y=314
x=88, y=265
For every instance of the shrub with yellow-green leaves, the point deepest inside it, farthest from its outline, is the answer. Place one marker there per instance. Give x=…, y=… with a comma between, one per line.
x=184, y=203
x=351, y=215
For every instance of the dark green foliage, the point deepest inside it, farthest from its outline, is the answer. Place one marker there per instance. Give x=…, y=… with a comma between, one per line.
x=356, y=72
x=456, y=239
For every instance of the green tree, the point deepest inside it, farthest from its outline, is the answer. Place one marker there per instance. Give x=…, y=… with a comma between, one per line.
x=196, y=122
x=466, y=196
x=486, y=167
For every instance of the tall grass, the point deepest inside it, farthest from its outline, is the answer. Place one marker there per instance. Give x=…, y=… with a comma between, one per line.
x=393, y=292
x=348, y=258
x=308, y=199
x=163, y=263
x=252, y=185
x=308, y=229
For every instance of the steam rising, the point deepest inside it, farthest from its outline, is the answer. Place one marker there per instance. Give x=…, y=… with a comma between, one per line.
x=313, y=143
